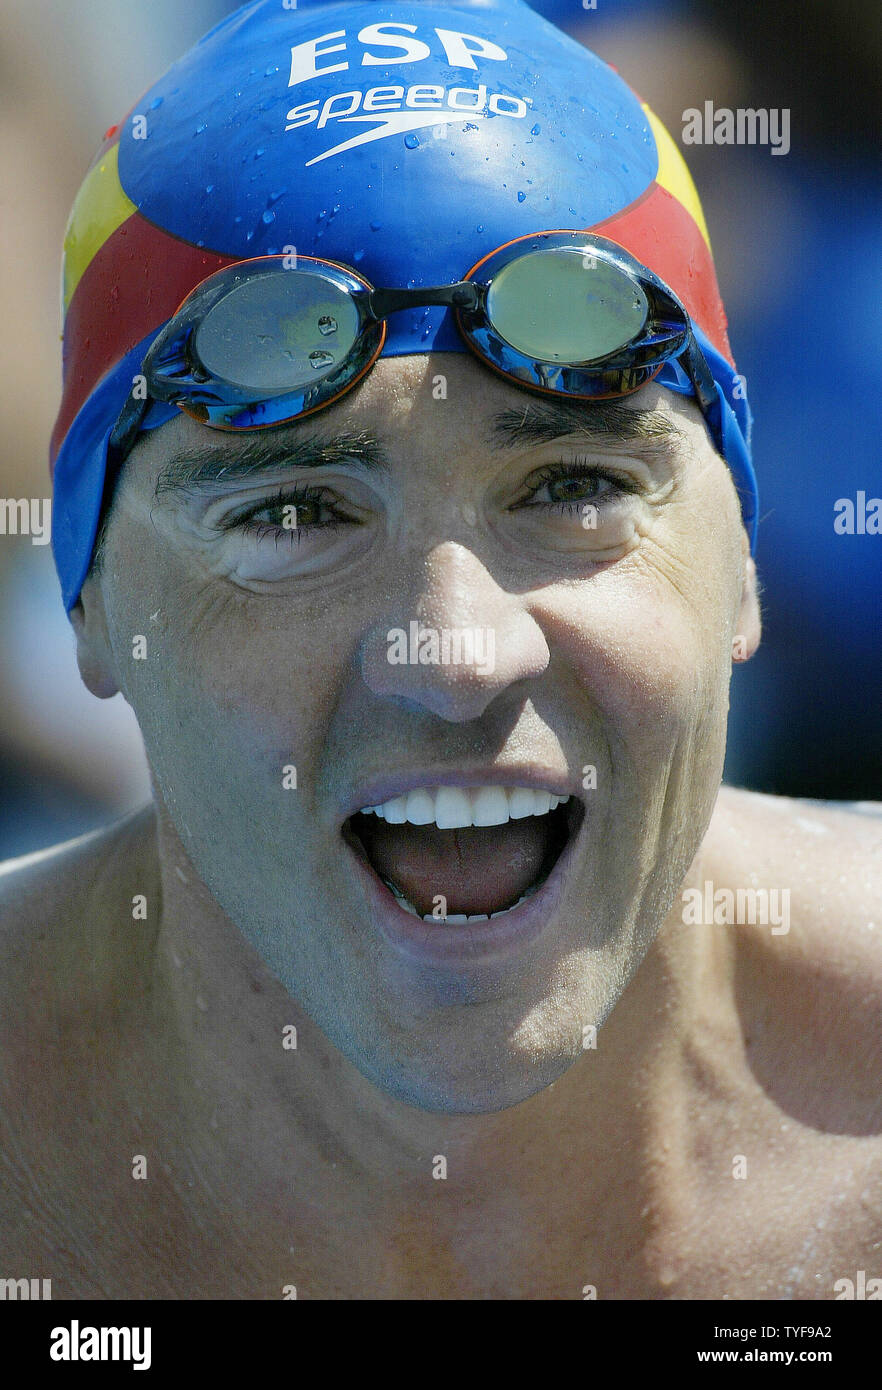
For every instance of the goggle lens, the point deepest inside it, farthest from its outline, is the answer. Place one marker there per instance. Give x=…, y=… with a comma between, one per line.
x=278, y=333
x=565, y=306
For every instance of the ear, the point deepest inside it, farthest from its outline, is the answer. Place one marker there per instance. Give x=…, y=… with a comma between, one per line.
x=749, y=629
x=94, y=655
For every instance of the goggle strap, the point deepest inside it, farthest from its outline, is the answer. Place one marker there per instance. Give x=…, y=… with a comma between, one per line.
x=699, y=374
x=126, y=429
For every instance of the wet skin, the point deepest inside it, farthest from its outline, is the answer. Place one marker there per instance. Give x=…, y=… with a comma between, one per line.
x=268, y=1166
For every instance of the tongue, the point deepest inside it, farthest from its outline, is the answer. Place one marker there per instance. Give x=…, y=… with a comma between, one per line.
x=479, y=869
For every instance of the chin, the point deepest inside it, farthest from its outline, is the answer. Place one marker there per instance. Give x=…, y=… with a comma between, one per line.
x=458, y=1085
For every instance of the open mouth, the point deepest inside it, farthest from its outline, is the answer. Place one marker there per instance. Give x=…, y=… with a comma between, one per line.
x=456, y=855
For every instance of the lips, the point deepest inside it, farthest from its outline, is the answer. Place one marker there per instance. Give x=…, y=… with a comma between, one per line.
x=472, y=853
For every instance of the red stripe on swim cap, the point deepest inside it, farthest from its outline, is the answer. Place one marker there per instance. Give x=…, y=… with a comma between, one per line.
x=659, y=231
x=132, y=285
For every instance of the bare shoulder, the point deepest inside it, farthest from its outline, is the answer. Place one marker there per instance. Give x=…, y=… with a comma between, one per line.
x=808, y=963
x=66, y=917
x=827, y=855
x=71, y=958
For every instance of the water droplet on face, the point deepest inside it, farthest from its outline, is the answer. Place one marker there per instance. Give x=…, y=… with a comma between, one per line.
x=199, y=129
x=258, y=154
x=268, y=218
x=269, y=71
x=375, y=226
x=320, y=359
x=535, y=129
x=411, y=141
x=156, y=103
x=357, y=255
x=521, y=196
x=480, y=227
x=209, y=188
x=327, y=324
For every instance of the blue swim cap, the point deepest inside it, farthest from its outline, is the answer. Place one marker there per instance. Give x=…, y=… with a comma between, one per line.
x=405, y=139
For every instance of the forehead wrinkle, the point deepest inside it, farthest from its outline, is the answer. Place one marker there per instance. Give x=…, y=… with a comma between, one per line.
x=202, y=464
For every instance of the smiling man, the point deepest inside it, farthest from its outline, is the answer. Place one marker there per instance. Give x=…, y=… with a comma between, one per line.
x=403, y=488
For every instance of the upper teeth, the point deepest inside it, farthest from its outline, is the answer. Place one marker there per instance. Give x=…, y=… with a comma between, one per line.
x=454, y=808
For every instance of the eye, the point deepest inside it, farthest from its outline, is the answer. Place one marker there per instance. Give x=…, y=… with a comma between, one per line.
x=290, y=514
x=567, y=486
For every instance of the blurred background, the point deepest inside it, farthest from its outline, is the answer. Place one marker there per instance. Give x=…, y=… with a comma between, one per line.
x=799, y=256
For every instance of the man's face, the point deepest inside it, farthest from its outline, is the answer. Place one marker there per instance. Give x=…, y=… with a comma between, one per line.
x=587, y=573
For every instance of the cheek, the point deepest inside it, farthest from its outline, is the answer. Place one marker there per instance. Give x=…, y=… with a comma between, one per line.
x=653, y=661
x=231, y=690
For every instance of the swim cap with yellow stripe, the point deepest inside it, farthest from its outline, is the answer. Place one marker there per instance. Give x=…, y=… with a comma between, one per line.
x=407, y=140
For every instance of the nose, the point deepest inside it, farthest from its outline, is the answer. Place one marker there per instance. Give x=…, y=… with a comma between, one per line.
x=463, y=642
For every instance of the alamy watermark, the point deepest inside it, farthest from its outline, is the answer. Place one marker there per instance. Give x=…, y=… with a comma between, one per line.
x=76, y=1343
x=446, y=646
x=722, y=907
x=27, y=516
x=743, y=126
x=861, y=517
x=25, y=1290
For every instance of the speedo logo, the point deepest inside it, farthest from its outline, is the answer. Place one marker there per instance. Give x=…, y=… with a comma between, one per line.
x=394, y=110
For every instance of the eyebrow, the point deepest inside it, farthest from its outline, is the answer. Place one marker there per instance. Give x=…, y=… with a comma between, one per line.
x=287, y=447
x=212, y=463
x=544, y=421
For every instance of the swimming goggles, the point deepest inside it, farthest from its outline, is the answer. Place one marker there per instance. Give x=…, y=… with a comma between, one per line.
x=270, y=340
